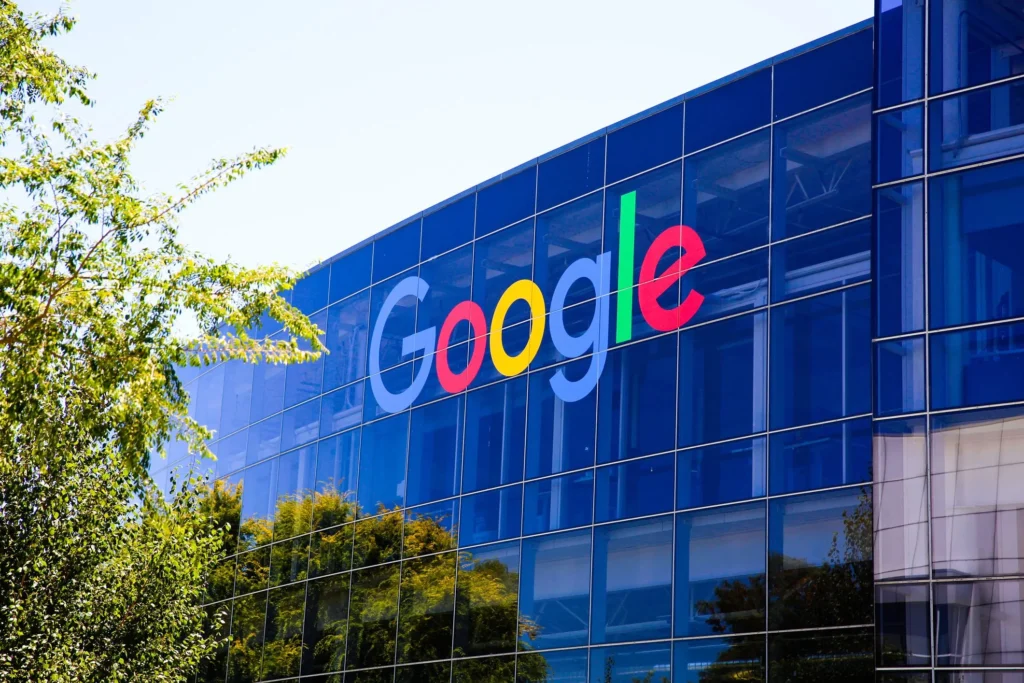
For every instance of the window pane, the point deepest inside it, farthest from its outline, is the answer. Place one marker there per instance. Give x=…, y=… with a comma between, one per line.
x=636, y=414
x=632, y=581
x=264, y=440
x=629, y=663
x=448, y=227
x=900, y=376
x=729, y=110
x=842, y=67
x=558, y=502
x=900, y=503
x=979, y=677
x=900, y=28
x=635, y=489
x=820, y=572
x=258, y=503
x=336, y=471
x=727, y=195
x=902, y=626
x=341, y=409
x=506, y=201
x=231, y=453
x=491, y=516
x=395, y=380
x=300, y=425
x=563, y=666
x=977, y=126
x=310, y=293
x=820, y=457
x=909, y=677
x=719, y=659
x=248, y=618
x=486, y=670
x=295, y=473
x=486, y=615
x=267, y=390
x=977, y=471
x=425, y=610
x=252, y=572
x=977, y=366
x=382, y=464
x=500, y=260
x=434, y=672
x=330, y=551
x=560, y=436
x=208, y=399
x=815, y=656
x=450, y=280
x=973, y=42
x=377, y=539
x=720, y=568
x=722, y=380
x=234, y=412
x=282, y=644
x=821, y=358
x=554, y=590
x=564, y=235
x=730, y=286
x=645, y=144
x=347, y=340
x=396, y=251
x=386, y=675
x=495, y=435
x=976, y=245
x=431, y=528
x=435, y=448
x=571, y=174
x=400, y=323
x=899, y=144
x=373, y=611
x=351, y=273
x=822, y=168
x=979, y=624
x=824, y=260
x=718, y=474
x=899, y=259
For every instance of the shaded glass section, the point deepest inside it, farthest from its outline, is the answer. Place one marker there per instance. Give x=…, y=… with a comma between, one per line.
x=560, y=435
x=723, y=473
x=634, y=489
x=820, y=457
x=714, y=660
x=448, y=227
x=373, y=612
x=558, y=502
x=351, y=273
x=899, y=259
x=978, y=366
x=435, y=450
x=245, y=651
x=564, y=235
x=838, y=656
x=495, y=435
x=431, y=529
x=486, y=607
x=382, y=464
x=729, y=110
x=506, y=202
x=899, y=367
x=282, y=645
x=491, y=516
x=554, y=590
x=902, y=626
x=396, y=251
x=571, y=174
x=645, y=144
x=347, y=341
x=899, y=144
x=822, y=261
x=973, y=42
x=979, y=623
x=425, y=609
x=899, y=27
x=326, y=629
x=976, y=126
x=650, y=663
x=839, y=68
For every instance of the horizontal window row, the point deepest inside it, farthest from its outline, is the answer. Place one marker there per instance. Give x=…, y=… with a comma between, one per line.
x=793, y=563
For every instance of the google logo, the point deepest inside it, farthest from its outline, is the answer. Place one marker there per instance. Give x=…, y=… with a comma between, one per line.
x=651, y=286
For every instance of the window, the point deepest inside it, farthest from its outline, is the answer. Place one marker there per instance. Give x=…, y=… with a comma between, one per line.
x=425, y=609
x=337, y=467
x=489, y=669
x=562, y=666
x=342, y=409
x=729, y=110
x=899, y=373
x=719, y=659
x=822, y=261
x=377, y=540
x=448, y=227
x=978, y=366
x=264, y=440
x=813, y=656
x=645, y=144
x=976, y=126
x=433, y=672
x=899, y=259
x=979, y=623
x=635, y=488
x=506, y=201
x=326, y=625
x=310, y=293
x=629, y=663
x=234, y=412
x=431, y=528
x=399, y=324
x=723, y=473
x=382, y=462
x=486, y=618
x=560, y=436
x=842, y=67
x=495, y=435
x=730, y=286
x=493, y=515
x=294, y=493
x=900, y=502
x=282, y=643
x=330, y=551
x=351, y=273
x=373, y=612
x=347, y=341
x=500, y=260
x=899, y=144
x=267, y=390
x=820, y=457
x=258, y=503
x=435, y=450
x=902, y=625
x=554, y=590
x=558, y=503
x=973, y=42
x=900, y=53
x=396, y=251
x=571, y=174
x=248, y=619
x=450, y=279
x=300, y=425
x=564, y=235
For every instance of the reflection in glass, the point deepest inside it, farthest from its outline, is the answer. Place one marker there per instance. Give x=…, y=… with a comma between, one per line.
x=719, y=660
x=289, y=561
x=635, y=488
x=486, y=670
x=900, y=51
x=425, y=609
x=899, y=144
x=564, y=235
x=486, y=609
x=558, y=502
x=253, y=571
x=838, y=656
x=377, y=539
x=902, y=625
x=820, y=457
x=330, y=551
x=560, y=436
x=720, y=570
x=899, y=500
x=450, y=281
x=258, y=503
x=347, y=341
x=979, y=677
x=342, y=409
x=382, y=461
x=899, y=376
x=351, y=273
x=433, y=672
x=632, y=581
x=899, y=259
x=495, y=435
x=628, y=663
x=562, y=666
x=294, y=494
x=435, y=450
x=401, y=322
x=245, y=651
x=822, y=261
x=554, y=590
x=373, y=612
x=336, y=472
x=282, y=646
x=977, y=366
x=724, y=473
x=972, y=42
x=431, y=528
x=499, y=260
x=491, y=516
x=730, y=286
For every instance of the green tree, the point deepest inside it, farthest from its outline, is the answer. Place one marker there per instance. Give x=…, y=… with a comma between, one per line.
x=101, y=576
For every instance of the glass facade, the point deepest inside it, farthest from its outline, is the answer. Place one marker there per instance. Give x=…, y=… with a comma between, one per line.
x=729, y=391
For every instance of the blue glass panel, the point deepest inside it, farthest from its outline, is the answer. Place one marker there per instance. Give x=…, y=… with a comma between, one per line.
x=558, y=503
x=481, y=627
x=458, y=359
x=821, y=358
x=450, y=278
x=632, y=581
x=337, y=469
x=645, y=144
x=395, y=380
x=571, y=174
x=899, y=376
x=564, y=235
x=310, y=293
x=208, y=399
x=258, y=501
x=295, y=480
x=820, y=573
x=435, y=447
x=721, y=474
x=635, y=489
x=264, y=440
x=560, y=436
x=729, y=110
x=842, y=67
x=658, y=206
x=300, y=425
x=636, y=413
x=491, y=516
x=822, y=173
x=351, y=273
x=730, y=286
x=347, y=341
x=822, y=261
x=719, y=659
x=727, y=196
x=836, y=655
x=399, y=325
x=234, y=411
x=977, y=367
x=903, y=625
x=449, y=227
x=396, y=251
x=723, y=380
x=630, y=663
x=554, y=590
x=304, y=380
x=500, y=260
x=495, y=435
x=382, y=464
x=231, y=453
x=720, y=569
x=978, y=623
x=506, y=201
x=976, y=259
x=899, y=25
x=899, y=259
x=563, y=666
x=342, y=409
x=431, y=528
x=973, y=42
x=899, y=144
x=820, y=457
x=976, y=126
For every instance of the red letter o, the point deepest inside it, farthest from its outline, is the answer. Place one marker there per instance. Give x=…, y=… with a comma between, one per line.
x=471, y=312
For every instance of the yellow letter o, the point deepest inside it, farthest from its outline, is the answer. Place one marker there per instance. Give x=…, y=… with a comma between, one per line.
x=528, y=291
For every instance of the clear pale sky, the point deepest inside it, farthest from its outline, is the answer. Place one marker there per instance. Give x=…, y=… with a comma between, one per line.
x=388, y=107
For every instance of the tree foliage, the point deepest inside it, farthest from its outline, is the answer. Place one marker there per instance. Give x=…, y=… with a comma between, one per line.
x=100, y=576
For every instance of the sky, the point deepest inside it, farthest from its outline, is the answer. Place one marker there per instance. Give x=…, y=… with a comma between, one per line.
x=388, y=107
